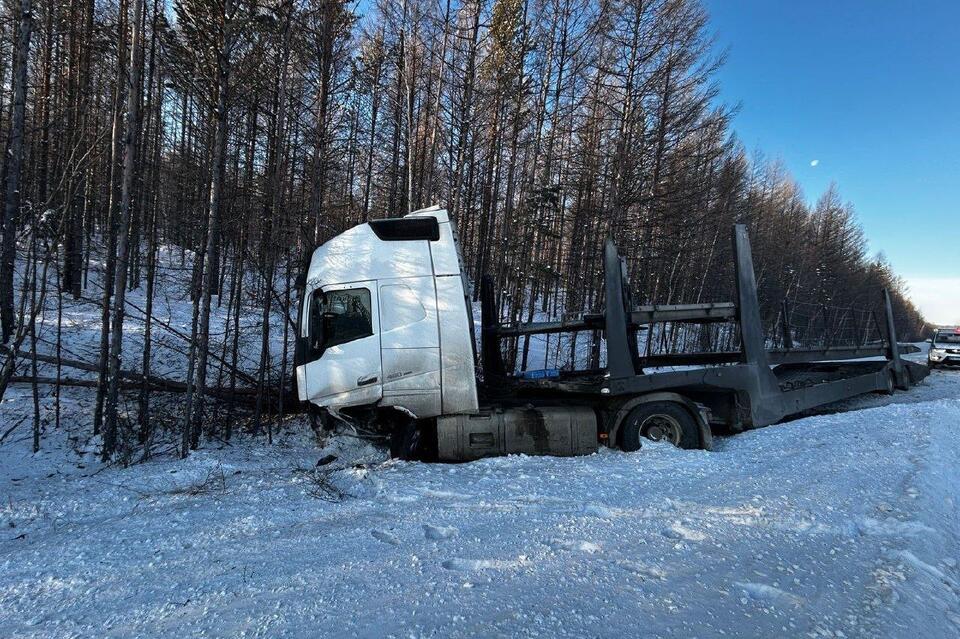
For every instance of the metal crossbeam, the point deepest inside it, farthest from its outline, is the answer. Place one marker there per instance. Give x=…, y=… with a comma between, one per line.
x=640, y=316
x=699, y=313
x=777, y=356
x=544, y=328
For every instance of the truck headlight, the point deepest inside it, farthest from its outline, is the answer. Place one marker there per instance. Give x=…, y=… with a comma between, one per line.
x=938, y=351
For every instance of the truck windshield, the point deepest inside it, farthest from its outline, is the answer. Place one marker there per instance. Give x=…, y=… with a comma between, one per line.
x=338, y=317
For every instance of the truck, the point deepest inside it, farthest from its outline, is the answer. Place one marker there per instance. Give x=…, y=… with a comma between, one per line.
x=386, y=343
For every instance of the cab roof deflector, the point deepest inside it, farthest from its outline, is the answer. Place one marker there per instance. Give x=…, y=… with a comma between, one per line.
x=406, y=229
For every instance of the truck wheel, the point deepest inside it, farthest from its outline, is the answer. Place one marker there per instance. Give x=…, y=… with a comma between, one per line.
x=891, y=385
x=659, y=421
x=406, y=441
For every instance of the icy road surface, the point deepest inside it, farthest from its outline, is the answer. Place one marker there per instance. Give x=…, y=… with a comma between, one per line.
x=837, y=525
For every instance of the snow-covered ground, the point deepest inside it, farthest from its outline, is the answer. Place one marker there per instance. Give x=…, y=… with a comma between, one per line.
x=841, y=524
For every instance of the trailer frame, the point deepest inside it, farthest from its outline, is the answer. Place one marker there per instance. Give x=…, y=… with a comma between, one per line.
x=748, y=388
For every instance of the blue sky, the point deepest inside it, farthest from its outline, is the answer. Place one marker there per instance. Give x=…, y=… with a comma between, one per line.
x=871, y=90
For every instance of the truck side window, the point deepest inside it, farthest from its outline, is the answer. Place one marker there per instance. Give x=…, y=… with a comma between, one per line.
x=338, y=317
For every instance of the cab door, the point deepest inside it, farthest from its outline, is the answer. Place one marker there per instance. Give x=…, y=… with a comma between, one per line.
x=341, y=327
x=410, y=342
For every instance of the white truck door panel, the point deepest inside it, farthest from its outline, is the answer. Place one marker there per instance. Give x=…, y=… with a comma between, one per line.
x=349, y=373
x=410, y=345
x=408, y=313
x=416, y=392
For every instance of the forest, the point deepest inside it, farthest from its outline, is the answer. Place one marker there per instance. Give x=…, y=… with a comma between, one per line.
x=241, y=134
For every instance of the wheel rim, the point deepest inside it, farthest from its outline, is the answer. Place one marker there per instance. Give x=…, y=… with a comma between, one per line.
x=662, y=427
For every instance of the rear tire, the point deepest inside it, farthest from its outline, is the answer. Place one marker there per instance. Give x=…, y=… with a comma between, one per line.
x=891, y=384
x=659, y=421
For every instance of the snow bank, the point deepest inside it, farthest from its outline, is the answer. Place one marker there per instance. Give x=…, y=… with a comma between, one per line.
x=836, y=525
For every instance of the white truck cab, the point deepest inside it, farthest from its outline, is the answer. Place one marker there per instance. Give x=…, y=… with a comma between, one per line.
x=386, y=321
x=386, y=344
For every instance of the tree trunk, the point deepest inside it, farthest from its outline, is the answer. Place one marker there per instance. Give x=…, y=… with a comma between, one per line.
x=117, y=148
x=14, y=168
x=134, y=90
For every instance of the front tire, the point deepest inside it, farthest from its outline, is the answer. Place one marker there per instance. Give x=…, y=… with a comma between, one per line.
x=659, y=421
x=405, y=440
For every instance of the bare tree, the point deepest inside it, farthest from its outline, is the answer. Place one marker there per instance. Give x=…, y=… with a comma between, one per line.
x=13, y=166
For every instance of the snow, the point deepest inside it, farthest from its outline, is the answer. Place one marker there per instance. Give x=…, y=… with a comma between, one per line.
x=172, y=314
x=839, y=524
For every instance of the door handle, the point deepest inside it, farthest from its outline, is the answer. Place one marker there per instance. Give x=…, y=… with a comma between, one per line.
x=366, y=380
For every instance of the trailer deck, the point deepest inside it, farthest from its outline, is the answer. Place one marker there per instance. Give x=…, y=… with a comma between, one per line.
x=750, y=387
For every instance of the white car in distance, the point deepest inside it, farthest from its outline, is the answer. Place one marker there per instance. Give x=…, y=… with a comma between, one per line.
x=944, y=347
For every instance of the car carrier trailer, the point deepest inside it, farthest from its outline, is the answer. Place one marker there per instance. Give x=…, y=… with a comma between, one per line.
x=386, y=344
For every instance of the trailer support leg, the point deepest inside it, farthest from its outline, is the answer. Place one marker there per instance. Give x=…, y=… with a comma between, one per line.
x=766, y=399
x=619, y=358
x=899, y=374
x=748, y=306
x=490, y=357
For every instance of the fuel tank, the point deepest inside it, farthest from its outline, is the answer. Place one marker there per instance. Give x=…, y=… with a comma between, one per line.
x=542, y=430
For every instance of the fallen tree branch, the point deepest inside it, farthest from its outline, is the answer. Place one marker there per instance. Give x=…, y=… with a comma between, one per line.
x=173, y=331
x=135, y=379
x=247, y=394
